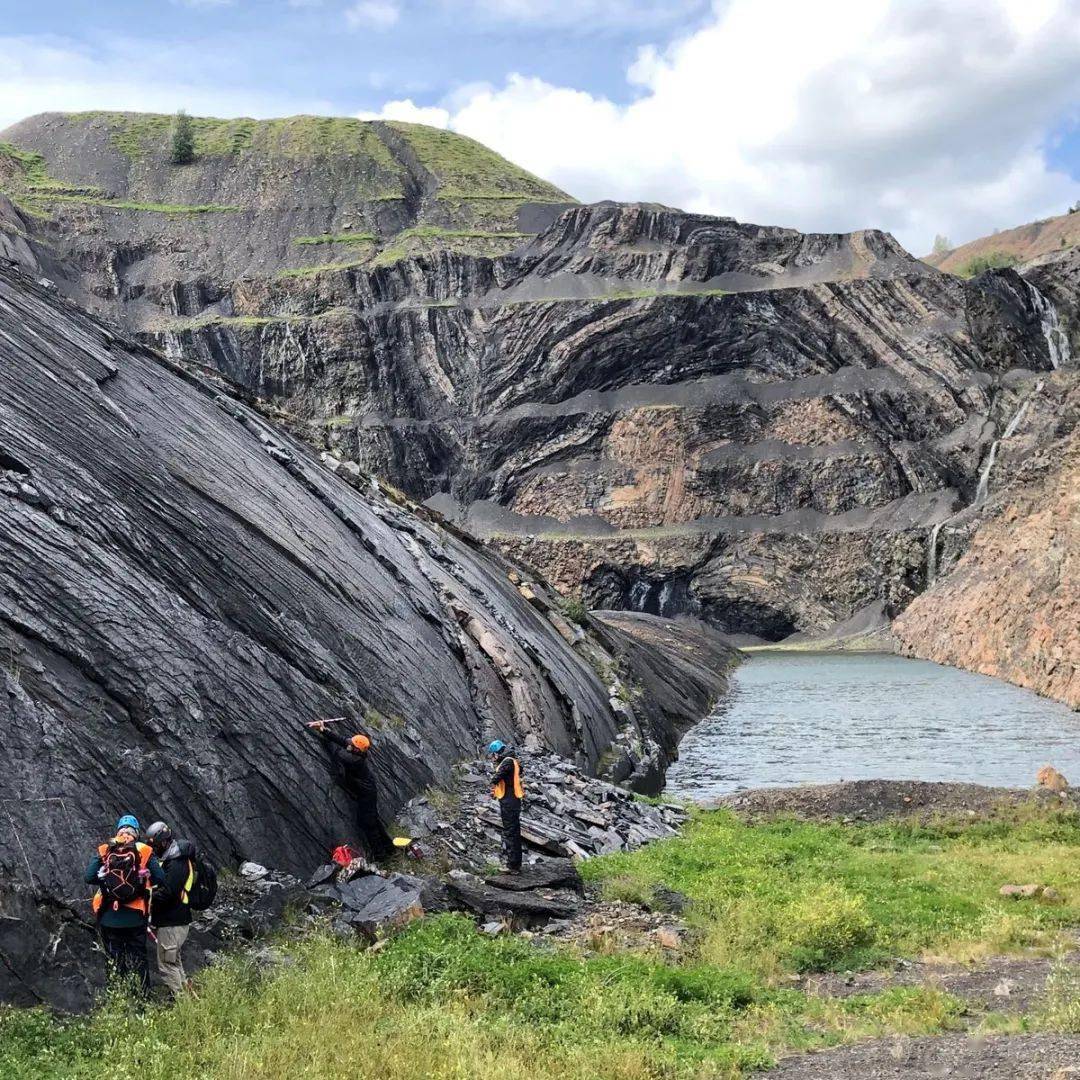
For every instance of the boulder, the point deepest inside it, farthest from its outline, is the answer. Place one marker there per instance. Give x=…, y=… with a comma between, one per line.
x=544, y=874
x=374, y=903
x=1049, y=778
x=527, y=906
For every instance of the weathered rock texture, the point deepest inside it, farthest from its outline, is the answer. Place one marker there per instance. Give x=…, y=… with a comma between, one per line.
x=182, y=584
x=1011, y=605
x=664, y=412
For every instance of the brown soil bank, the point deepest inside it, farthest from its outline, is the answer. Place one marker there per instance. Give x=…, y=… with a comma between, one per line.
x=961, y=1057
x=878, y=800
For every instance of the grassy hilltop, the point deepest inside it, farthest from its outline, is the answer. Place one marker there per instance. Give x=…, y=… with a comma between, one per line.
x=768, y=902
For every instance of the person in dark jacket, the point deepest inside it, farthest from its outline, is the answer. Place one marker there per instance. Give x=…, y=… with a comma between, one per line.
x=122, y=922
x=350, y=757
x=506, y=786
x=170, y=915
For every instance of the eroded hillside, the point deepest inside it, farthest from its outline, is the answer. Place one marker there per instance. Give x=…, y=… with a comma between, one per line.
x=662, y=411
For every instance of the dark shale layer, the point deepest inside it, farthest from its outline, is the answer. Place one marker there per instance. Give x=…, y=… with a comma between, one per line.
x=182, y=584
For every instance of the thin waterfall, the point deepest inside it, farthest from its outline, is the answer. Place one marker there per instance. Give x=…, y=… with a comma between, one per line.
x=1010, y=430
x=983, y=488
x=931, y=555
x=1057, y=342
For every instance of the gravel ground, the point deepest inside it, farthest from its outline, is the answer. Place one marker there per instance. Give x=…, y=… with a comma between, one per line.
x=958, y=1057
x=1006, y=984
x=879, y=800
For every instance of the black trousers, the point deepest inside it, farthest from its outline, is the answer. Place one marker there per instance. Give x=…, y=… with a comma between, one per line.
x=510, y=808
x=125, y=951
x=373, y=833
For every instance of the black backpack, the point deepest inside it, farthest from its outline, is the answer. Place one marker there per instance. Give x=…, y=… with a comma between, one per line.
x=120, y=882
x=204, y=887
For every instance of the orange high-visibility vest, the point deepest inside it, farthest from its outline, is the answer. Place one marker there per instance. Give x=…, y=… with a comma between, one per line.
x=140, y=903
x=499, y=790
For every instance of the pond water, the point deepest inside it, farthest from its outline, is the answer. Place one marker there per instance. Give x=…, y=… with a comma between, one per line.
x=804, y=717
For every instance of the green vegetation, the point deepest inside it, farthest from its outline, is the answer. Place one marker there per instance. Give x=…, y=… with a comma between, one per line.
x=994, y=260
x=338, y=238
x=575, y=611
x=790, y=896
x=125, y=204
x=320, y=268
x=436, y=232
x=467, y=169
x=182, y=140
x=441, y=1000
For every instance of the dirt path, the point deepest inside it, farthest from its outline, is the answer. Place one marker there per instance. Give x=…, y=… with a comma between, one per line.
x=1004, y=984
x=957, y=1057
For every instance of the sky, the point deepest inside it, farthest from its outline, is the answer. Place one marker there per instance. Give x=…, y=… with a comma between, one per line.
x=923, y=117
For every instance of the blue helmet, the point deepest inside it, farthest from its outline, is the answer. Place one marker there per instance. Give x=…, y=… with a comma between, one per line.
x=129, y=821
x=496, y=747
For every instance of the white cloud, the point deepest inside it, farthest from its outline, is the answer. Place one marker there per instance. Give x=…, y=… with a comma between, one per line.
x=918, y=116
x=432, y=115
x=45, y=76
x=373, y=14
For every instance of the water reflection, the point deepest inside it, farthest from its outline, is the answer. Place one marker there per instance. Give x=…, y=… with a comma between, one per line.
x=801, y=717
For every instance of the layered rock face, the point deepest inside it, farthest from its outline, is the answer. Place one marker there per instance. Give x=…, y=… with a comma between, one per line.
x=664, y=412
x=182, y=584
x=1010, y=606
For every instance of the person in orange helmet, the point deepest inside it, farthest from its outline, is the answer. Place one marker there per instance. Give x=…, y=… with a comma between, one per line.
x=350, y=758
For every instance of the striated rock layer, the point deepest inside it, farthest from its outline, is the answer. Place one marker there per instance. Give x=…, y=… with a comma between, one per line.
x=664, y=412
x=182, y=584
x=1011, y=606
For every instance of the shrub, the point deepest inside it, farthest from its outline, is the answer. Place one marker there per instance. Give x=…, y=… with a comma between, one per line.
x=995, y=260
x=182, y=140
x=576, y=611
x=827, y=927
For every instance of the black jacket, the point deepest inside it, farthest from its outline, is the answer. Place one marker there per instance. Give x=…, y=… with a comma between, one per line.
x=169, y=906
x=352, y=767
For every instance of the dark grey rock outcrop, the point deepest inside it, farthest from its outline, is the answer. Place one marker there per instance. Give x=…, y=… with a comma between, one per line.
x=182, y=584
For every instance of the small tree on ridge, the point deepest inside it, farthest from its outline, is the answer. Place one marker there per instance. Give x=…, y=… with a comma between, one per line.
x=182, y=140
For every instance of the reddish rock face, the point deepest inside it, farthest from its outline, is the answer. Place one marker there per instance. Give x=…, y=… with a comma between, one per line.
x=1011, y=607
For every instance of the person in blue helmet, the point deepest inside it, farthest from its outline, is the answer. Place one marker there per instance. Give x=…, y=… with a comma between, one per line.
x=122, y=871
x=506, y=786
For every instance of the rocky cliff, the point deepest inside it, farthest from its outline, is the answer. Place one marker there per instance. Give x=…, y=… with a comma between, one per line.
x=182, y=584
x=1010, y=606
x=663, y=412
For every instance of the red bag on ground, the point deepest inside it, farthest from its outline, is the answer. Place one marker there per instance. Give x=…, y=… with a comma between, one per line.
x=343, y=855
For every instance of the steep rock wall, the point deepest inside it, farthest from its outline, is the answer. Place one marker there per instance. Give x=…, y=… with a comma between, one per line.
x=182, y=584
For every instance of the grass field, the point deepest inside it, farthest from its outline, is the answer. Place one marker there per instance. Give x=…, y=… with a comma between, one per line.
x=441, y=1000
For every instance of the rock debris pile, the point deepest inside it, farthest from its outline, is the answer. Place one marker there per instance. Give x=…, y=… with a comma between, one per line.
x=566, y=814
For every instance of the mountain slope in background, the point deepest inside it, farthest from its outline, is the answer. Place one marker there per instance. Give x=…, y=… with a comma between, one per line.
x=664, y=412
x=1023, y=244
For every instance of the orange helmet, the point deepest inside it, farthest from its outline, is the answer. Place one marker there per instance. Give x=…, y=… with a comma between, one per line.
x=360, y=742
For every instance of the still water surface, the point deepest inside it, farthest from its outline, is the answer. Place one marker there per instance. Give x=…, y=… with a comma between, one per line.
x=798, y=717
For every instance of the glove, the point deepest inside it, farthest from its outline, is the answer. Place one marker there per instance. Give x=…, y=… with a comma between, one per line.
x=101, y=873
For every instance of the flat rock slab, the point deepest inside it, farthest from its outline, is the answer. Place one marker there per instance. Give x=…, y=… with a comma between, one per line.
x=371, y=903
x=526, y=905
x=548, y=874
x=956, y=1057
